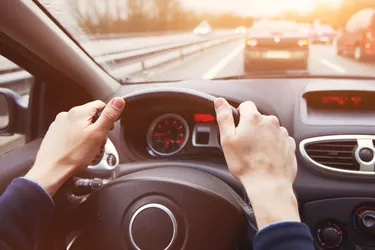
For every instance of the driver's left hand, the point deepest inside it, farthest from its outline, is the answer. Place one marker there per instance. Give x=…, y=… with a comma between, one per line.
x=72, y=142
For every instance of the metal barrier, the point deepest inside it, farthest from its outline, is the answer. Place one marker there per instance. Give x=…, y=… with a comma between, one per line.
x=124, y=64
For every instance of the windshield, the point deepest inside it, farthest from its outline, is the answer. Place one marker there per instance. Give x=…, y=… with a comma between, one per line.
x=168, y=40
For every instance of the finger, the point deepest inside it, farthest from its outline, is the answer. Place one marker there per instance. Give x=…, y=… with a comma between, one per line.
x=271, y=119
x=224, y=118
x=284, y=131
x=248, y=113
x=86, y=111
x=292, y=144
x=110, y=114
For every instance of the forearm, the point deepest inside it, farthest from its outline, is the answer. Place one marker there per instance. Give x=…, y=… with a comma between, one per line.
x=26, y=213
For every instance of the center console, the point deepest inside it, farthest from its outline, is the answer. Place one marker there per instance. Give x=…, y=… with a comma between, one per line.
x=335, y=128
x=342, y=223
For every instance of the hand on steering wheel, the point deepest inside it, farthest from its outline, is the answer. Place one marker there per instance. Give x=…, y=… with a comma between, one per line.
x=79, y=141
x=260, y=153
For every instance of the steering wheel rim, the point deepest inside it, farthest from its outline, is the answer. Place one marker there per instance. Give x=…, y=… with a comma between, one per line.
x=219, y=192
x=184, y=93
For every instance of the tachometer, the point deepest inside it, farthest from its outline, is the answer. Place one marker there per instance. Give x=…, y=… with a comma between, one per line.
x=168, y=134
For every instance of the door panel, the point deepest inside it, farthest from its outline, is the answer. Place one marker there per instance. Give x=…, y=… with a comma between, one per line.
x=17, y=163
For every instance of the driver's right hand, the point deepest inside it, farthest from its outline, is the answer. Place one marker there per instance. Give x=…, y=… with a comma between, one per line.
x=72, y=142
x=261, y=154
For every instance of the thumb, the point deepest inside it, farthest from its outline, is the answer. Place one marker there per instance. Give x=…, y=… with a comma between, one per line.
x=110, y=114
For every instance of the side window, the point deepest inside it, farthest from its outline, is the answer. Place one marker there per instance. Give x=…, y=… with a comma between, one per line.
x=17, y=79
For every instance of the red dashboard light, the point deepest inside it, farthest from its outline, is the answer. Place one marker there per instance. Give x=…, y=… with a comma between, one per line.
x=356, y=100
x=342, y=100
x=204, y=118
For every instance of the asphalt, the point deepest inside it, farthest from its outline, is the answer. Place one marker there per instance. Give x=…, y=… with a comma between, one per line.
x=228, y=60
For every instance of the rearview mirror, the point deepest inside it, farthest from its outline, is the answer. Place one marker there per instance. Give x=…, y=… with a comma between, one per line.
x=12, y=113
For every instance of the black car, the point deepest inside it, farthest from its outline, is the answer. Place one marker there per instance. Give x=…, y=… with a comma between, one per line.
x=276, y=45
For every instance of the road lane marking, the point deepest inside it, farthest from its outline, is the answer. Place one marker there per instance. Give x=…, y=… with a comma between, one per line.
x=213, y=72
x=332, y=65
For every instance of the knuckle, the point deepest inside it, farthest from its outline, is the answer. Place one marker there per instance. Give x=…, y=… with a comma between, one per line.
x=284, y=131
x=247, y=107
x=248, y=103
x=274, y=121
x=255, y=116
x=61, y=116
x=73, y=111
x=98, y=103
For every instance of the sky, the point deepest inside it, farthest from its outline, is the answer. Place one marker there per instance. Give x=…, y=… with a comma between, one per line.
x=242, y=7
x=255, y=7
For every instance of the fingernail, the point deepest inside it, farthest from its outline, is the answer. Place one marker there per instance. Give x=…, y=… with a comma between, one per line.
x=219, y=102
x=118, y=103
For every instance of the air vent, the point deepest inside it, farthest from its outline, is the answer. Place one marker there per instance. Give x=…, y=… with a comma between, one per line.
x=335, y=154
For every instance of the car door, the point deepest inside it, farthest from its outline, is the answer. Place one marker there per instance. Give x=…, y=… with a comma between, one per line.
x=63, y=76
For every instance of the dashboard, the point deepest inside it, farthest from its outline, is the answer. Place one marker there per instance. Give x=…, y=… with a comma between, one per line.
x=172, y=130
x=331, y=120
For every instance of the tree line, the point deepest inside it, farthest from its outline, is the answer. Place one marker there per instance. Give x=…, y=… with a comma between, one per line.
x=153, y=16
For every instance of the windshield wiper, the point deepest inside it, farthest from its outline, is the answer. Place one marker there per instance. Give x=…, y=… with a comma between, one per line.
x=269, y=74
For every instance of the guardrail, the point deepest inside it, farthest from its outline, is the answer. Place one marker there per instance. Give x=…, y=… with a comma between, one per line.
x=137, y=34
x=122, y=65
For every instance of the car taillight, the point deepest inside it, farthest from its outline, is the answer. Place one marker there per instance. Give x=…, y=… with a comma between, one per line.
x=303, y=42
x=251, y=42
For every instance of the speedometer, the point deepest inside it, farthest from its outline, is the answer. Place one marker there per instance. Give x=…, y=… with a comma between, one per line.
x=168, y=134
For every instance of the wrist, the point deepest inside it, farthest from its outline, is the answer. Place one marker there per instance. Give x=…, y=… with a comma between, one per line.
x=272, y=201
x=50, y=178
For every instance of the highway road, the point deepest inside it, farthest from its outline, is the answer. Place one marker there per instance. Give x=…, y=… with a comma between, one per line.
x=111, y=46
x=227, y=60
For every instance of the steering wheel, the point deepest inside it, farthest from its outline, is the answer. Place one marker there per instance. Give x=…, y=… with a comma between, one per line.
x=160, y=208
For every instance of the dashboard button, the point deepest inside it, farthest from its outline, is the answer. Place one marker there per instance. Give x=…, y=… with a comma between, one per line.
x=330, y=236
x=365, y=221
x=366, y=154
x=111, y=160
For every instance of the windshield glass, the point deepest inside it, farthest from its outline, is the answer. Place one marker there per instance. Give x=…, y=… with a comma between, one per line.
x=167, y=40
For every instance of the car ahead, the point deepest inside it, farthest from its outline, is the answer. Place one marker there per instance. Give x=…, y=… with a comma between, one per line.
x=160, y=192
x=322, y=34
x=357, y=38
x=240, y=30
x=305, y=27
x=276, y=45
x=203, y=28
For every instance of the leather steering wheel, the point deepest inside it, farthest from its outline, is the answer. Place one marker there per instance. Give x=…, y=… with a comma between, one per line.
x=165, y=207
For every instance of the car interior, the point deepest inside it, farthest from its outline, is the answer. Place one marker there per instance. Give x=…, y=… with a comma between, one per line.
x=331, y=118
